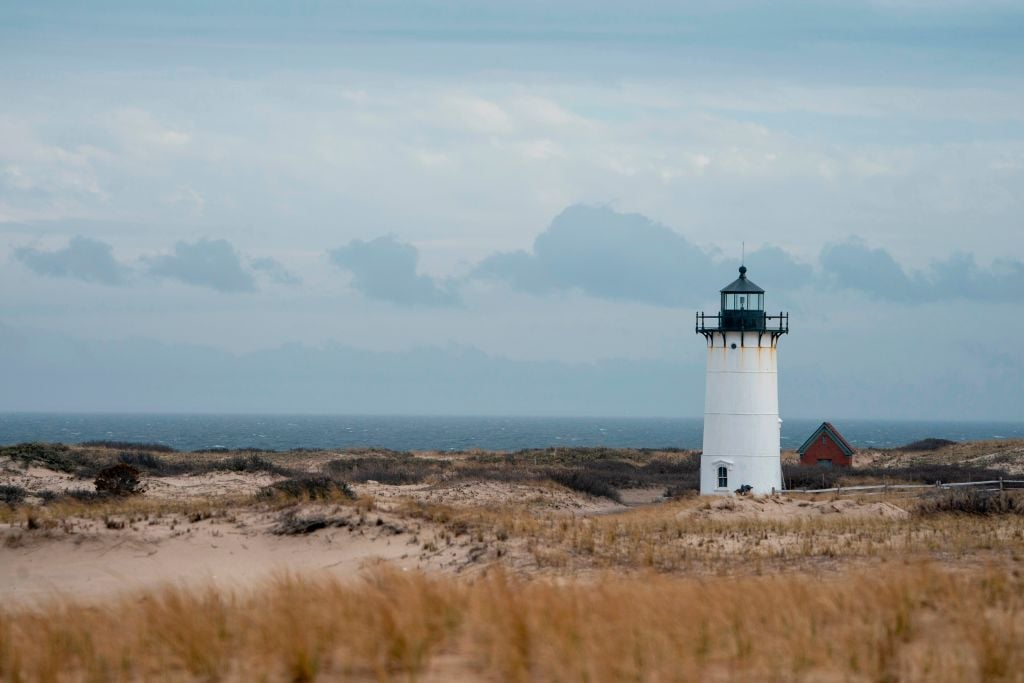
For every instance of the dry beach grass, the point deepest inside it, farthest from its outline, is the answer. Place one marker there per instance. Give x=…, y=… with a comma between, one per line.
x=586, y=564
x=914, y=623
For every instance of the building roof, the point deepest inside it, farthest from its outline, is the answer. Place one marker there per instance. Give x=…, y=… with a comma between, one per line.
x=742, y=285
x=833, y=434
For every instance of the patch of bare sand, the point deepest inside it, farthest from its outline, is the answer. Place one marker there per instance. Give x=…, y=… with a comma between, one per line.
x=781, y=508
x=87, y=558
x=209, y=484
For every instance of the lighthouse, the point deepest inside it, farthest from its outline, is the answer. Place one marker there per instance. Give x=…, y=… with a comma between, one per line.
x=741, y=399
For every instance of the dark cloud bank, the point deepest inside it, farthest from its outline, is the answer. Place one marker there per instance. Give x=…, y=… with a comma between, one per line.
x=628, y=257
x=592, y=249
x=385, y=269
x=214, y=264
x=207, y=263
x=83, y=259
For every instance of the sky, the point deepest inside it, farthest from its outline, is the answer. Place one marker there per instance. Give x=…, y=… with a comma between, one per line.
x=508, y=208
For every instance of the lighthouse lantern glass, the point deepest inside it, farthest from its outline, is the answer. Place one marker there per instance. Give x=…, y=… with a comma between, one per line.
x=747, y=301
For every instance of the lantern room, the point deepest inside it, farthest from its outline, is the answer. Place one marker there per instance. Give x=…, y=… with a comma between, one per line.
x=742, y=305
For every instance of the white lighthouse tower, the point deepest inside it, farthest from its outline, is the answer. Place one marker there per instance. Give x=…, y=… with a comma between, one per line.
x=741, y=401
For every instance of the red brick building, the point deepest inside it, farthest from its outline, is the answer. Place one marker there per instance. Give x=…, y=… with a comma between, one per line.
x=826, y=448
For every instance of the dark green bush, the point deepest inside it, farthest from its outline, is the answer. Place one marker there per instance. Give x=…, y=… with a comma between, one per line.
x=929, y=444
x=11, y=494
x=118, y=480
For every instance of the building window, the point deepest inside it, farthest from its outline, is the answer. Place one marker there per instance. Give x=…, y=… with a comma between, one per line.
x=824, y=463
x=723, y=477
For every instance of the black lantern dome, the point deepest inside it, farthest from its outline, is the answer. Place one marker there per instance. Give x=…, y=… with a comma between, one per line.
x=742, y=310
x=742, y=295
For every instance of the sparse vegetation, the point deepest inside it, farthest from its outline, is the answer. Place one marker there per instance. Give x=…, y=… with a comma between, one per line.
x=689, y=589
x=55, y=456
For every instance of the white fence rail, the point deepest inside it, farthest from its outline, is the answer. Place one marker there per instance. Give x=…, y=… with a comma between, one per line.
x=990, y=485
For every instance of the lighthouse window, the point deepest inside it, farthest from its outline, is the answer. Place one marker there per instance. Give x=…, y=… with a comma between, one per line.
x=723, y=477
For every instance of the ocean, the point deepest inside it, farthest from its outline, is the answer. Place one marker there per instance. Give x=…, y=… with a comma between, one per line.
x=284, y=432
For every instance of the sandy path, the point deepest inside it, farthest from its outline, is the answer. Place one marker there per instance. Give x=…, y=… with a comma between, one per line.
x=94, y=561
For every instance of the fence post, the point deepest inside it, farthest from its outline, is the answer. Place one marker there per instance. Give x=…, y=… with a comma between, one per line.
x=1000, y=484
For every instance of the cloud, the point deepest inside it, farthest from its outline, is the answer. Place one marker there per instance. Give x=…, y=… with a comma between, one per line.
x=960, y=276
x=275, y=271
x=205, y=263
x=83, y=259
x=874, y=271
x=385, y=269
x=855, y=265
x=610, y=255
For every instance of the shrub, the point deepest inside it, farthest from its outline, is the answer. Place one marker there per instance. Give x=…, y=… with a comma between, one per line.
x=584, y=482
x=150, y=464
x=11, y=494
x=929, y=444
x=393, y=468
x=972, y=502
x=313, y=487
x=118, y=480
x=249, y=463
x=803, y=477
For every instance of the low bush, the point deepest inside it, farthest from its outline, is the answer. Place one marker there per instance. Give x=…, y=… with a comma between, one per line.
x=249, y=463
x=11, y=494
x=972, y=502
x=584, y=482
x=929, y=444
x=118, y=480
x=803, y=477
x=151, y=464
x=797, y=477
x=312, y=487
x=393, y=469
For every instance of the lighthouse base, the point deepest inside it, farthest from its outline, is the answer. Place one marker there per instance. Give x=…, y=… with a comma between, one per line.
x=762, y=474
